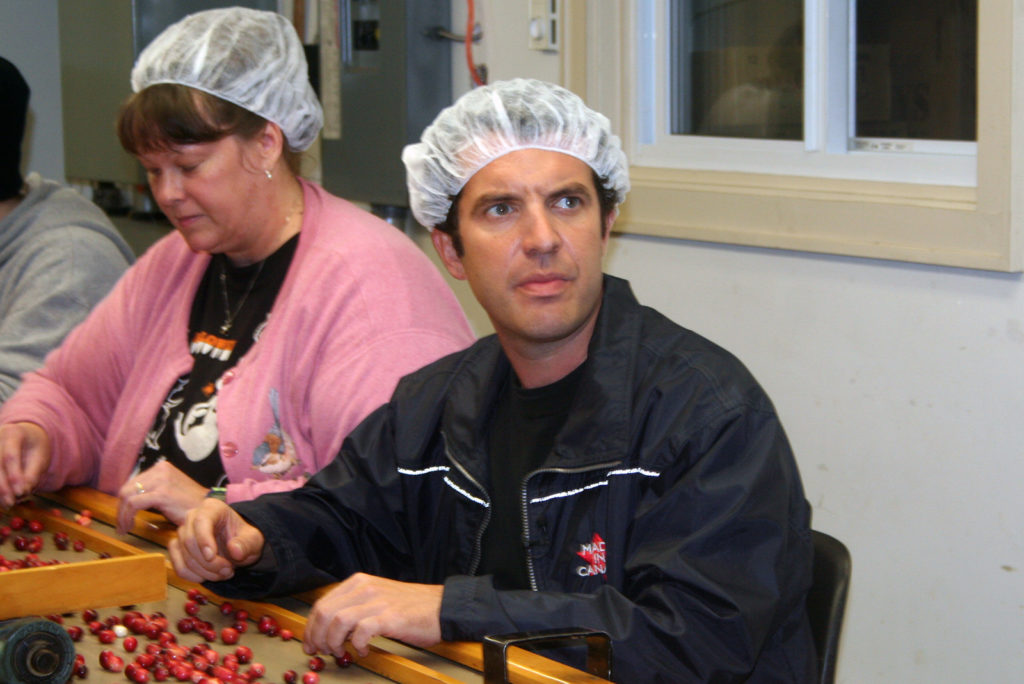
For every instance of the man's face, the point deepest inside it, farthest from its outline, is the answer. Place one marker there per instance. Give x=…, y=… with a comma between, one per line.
x=533, y=244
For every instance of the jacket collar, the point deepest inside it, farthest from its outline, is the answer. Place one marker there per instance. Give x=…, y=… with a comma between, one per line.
x=597, y=429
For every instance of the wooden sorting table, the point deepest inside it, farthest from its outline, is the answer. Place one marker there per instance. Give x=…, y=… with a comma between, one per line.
x=138, y=573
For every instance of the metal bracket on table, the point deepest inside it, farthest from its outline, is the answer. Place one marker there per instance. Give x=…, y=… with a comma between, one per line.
x=599, y=650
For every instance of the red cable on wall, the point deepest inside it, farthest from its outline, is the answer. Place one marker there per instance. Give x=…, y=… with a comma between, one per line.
x=470, y=26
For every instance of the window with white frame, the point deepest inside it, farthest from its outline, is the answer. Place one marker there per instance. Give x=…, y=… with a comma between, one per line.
x=869, y=89
x=888, y=129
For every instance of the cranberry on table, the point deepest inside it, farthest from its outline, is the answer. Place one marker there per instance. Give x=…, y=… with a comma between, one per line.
x=316, y=664
x=310, y=678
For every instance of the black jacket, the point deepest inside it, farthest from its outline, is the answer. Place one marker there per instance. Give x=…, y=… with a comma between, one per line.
x=670, y=513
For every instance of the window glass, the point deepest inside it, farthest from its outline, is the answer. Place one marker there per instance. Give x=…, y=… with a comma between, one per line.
x=916, y=69
x=737, y=68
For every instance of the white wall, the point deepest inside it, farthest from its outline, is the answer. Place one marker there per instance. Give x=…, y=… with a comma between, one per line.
x=901, y=386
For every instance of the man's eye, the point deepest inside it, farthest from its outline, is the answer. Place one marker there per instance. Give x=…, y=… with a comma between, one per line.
x=500, y=210
x=569, y=202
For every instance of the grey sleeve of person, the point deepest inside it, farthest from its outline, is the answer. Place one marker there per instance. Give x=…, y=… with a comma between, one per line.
x=61, y=265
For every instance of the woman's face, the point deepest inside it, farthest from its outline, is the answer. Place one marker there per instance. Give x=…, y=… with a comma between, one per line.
x=211, y=194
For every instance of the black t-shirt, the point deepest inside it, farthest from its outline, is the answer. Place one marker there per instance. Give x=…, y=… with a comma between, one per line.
x=230, y=309
x=523, y=431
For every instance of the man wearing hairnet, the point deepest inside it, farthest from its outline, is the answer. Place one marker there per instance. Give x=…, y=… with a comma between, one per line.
x=590, y=465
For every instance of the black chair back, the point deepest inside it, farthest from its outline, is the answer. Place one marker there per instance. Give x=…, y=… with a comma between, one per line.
x=826, y=600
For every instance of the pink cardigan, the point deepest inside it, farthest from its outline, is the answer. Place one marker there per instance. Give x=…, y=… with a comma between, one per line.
x=361, y=307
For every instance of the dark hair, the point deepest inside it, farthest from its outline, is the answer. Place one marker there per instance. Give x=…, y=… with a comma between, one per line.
x=606, y=197
x=14, y=93
x=165, y=115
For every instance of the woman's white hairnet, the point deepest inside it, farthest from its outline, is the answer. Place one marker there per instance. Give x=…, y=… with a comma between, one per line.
x=251, y=58
x=505, y=116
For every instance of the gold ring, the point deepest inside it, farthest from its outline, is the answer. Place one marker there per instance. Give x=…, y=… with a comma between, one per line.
x=139, y=488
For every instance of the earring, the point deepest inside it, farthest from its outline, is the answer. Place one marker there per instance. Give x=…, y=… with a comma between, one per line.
x=270, y=176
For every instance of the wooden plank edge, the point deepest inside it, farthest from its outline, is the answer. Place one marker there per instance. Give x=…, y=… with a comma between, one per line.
x=524, y=667
x=56, y=589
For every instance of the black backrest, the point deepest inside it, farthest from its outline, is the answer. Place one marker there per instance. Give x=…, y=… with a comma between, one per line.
x=826, y=600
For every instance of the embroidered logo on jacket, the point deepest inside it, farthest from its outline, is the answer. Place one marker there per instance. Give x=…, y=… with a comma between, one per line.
x=593, y=554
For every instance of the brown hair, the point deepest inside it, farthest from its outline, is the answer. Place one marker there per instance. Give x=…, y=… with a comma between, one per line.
x=605, y=199
x=165, y=115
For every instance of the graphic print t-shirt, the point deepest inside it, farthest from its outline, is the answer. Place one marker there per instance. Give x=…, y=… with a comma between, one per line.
x=185, y=429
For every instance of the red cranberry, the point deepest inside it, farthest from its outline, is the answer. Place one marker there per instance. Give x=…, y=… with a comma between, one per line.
x=226, y=608
x=344, y=660
x=316, y=664
x=287, y=634
x=35, y=526
x=75, y=632
x=257, y=669
x=17, y=523
x=266, y=624
x=89, y=614
x=289, y=677
x=244, y=654
x=106, y=636
x=192, y=607
x=229, y=635
x=310, y=678
x=112, y=663
x=222, y=673
x=79, y=545
x=186, y=625
x=241, y=626
x=130, y=644
x=140, y=676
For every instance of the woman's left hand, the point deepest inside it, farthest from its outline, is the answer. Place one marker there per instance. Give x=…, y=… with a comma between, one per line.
x=162, y=487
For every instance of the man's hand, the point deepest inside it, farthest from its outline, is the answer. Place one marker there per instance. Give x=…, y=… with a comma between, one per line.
x=364, y=606
x=213, y=541
x=162, y=487
x=24, y=457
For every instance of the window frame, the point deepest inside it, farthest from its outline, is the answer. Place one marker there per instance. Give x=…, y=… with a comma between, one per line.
x=971, y=226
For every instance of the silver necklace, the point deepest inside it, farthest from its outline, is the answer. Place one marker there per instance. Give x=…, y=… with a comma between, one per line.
x=229, y=315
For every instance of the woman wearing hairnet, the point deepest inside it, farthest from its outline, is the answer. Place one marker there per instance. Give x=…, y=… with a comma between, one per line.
x=240, y=350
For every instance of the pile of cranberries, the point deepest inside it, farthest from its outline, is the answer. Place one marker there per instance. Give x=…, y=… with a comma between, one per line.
x=163, y=659
x=145, y=647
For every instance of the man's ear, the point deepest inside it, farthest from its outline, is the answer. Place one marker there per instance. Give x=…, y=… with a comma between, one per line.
x=449, y=256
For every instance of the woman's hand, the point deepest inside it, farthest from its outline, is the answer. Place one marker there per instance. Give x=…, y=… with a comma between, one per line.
x=24, y=457
x=162, y=487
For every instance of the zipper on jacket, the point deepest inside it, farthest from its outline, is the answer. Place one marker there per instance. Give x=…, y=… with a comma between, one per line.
x=478, y=542
x=531, y=573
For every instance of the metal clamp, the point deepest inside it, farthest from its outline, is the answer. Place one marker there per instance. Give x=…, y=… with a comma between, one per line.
x=599, y=650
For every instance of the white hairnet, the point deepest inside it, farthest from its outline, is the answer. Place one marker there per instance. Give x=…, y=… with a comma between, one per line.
x=251, y=58
x=505, y=116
